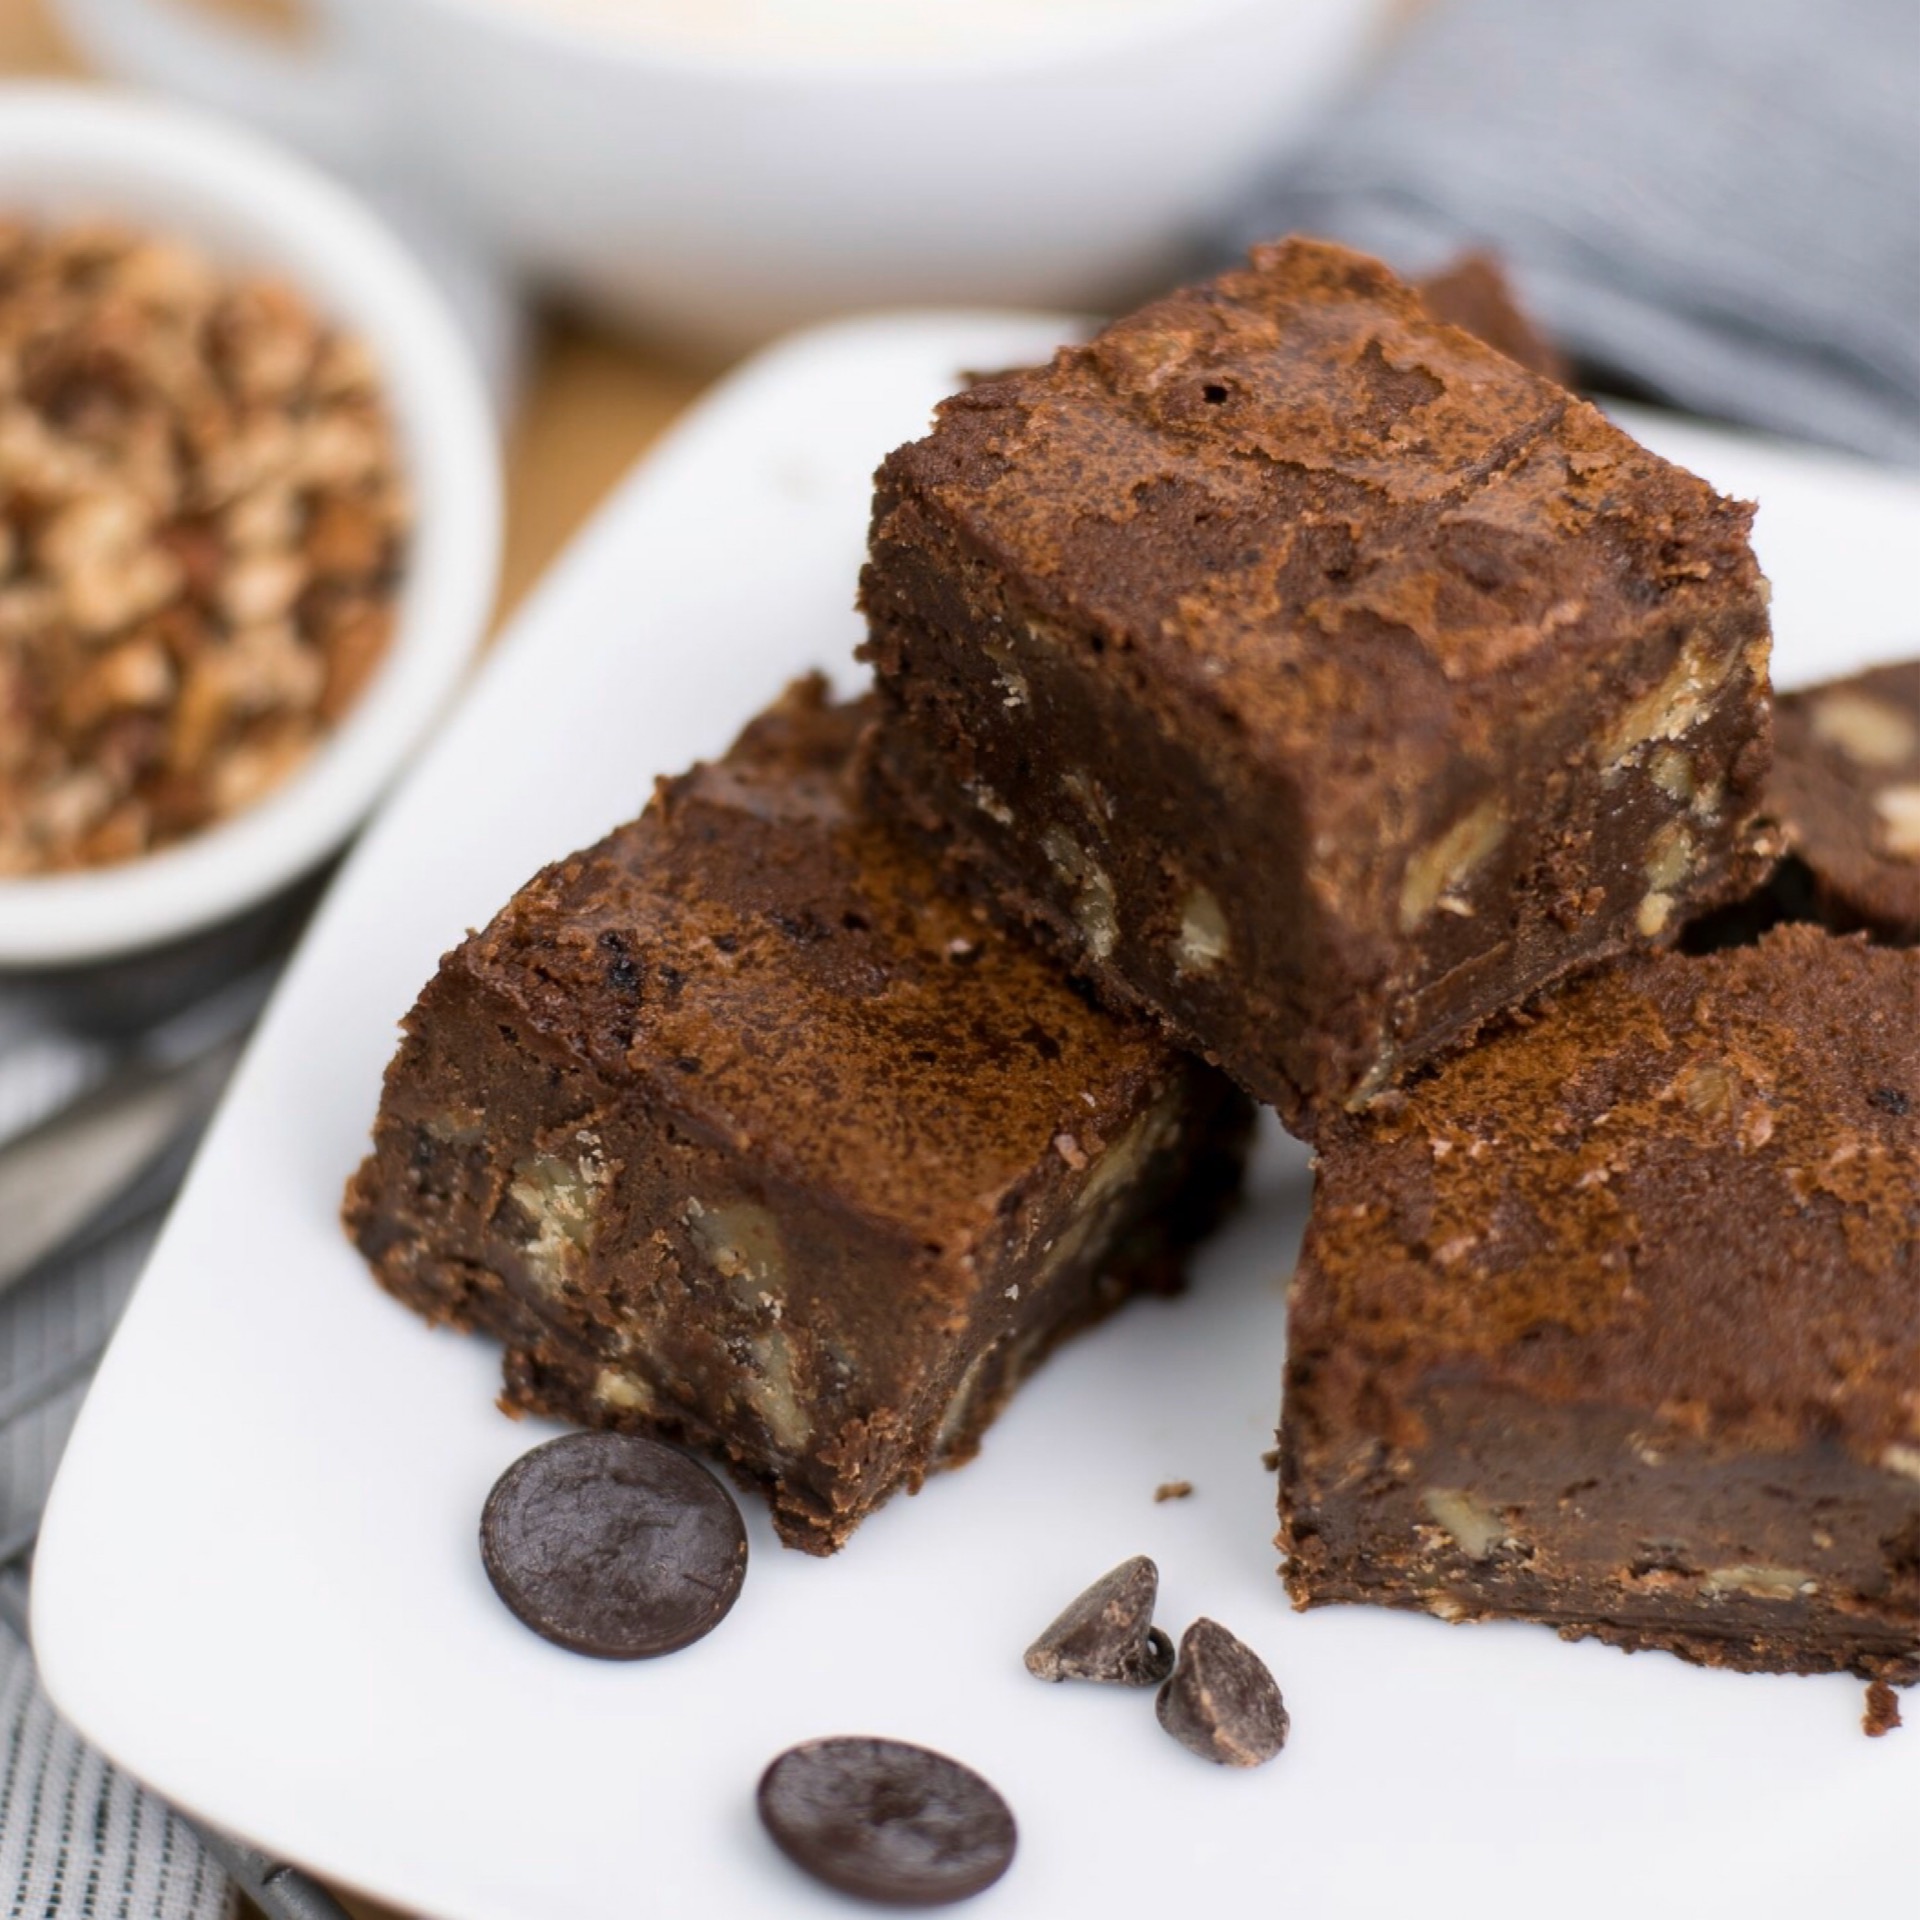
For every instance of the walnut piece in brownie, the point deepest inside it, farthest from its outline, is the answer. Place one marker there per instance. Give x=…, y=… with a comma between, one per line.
x=1846, y=789
x=1315, y=676
x=738, y=1131
x=1614, y=1321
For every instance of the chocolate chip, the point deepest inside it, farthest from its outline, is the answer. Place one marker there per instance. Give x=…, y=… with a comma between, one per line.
x=1891, y=1100
x=886, y=1820
x=613, y=1545
x=1222, y=1702
x=1108, y=1633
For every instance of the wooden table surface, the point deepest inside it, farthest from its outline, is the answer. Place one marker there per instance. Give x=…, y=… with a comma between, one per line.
x=592, y=404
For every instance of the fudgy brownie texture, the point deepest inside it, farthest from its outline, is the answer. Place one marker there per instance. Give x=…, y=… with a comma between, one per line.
x=1845, y=788
x=1315, y=676
x=736, y=1130
x=1474, y=293
x=1614, y=1321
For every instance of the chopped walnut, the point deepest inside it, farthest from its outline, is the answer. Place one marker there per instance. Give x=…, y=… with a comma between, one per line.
x=202, y=525
x=1897, y=820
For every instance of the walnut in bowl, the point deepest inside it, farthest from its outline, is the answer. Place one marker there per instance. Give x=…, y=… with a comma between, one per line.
x=202, y=530
x=249, y=520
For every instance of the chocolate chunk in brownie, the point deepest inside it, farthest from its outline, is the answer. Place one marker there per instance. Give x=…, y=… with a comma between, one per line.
x=1475, y=293
x=738, y=1131
x=1614, y=1321
x=1315, y=676
x=1846, y=789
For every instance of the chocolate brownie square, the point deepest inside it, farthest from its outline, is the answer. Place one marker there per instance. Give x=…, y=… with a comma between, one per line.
x=736, y=1130
x=1314, y=676
x=1473, y=292
x=1845, y=788
x=1614, y=1321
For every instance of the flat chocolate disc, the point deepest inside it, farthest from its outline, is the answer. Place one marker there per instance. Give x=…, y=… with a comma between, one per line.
x=887, y=1821
x=613, y=1545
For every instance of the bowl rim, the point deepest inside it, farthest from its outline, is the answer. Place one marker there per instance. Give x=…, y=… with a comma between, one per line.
x=174, y=169
x=1146, y=28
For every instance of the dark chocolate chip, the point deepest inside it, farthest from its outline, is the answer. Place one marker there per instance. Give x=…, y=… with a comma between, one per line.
x=1108, y=1633
x=887, y=1821
x=1891, y=1100
x=613, y=1545
x=1222, y=1702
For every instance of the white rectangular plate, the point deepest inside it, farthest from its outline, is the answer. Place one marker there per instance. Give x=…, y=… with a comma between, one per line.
x=259, y=1587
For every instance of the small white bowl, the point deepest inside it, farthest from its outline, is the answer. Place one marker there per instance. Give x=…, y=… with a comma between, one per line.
x=68, y=151
x=719, y=194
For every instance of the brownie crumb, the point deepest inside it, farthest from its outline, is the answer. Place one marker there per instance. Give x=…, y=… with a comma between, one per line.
x=1883, y=1710
x=1271, y=1459
x=1172, y=1490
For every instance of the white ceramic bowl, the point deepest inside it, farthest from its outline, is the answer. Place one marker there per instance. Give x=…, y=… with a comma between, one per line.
x=72, y=150
x=723, y=194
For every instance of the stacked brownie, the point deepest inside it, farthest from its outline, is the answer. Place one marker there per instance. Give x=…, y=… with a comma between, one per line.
x=1287, y=687
x=1314, y=676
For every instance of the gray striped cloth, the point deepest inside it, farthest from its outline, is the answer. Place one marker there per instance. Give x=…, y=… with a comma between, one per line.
x=78, y=1841
x=1712, y=202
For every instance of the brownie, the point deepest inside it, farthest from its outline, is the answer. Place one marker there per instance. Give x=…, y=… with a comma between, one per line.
x=1474, y=293
x=1313, y=675
x=737, y=1131
x=1614, y=1321
x=1846, y=789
